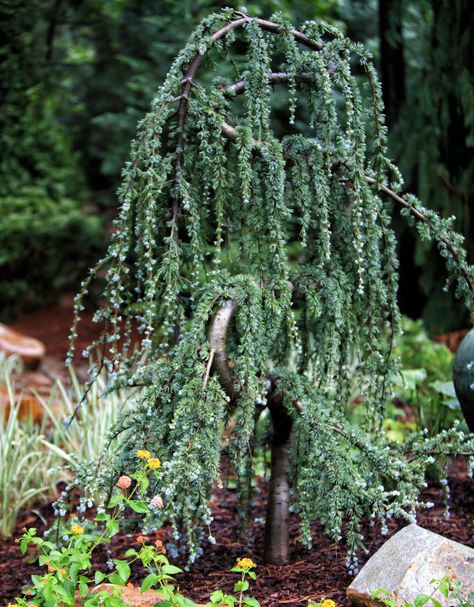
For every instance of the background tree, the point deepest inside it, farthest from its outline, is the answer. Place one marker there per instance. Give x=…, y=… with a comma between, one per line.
x=262, y=272
x=427, y=62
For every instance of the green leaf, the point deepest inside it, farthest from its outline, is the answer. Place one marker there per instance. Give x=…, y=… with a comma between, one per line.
x=131, y=552
x=241, y=586
x=216, y=596
x=123, y=569
x=171, y=569
x=99, y=576
x=379, y=592
x=112, y=527
x=114, y=601
x=421, y=600
x=115, y=500
x=114, y=578
x=444, y=589
x=102, y=516
x=138, y=506
x=251, y=602
x=83, y=589
x=150, y=580
x=73, y=571
x=144, y=484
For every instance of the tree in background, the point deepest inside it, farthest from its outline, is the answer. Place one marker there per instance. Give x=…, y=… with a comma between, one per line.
x=427, y=63
x=46, y=239
x=111, y=55
x=262, y=273
x=35, y=146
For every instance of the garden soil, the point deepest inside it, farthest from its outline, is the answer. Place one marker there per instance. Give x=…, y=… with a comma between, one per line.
x=311, y=574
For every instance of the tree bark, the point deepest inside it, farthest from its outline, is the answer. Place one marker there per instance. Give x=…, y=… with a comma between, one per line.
x=217, y=337
x=276, y=550
x=392, y=62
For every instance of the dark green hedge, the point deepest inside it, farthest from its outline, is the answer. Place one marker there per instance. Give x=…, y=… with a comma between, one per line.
x=46, y=246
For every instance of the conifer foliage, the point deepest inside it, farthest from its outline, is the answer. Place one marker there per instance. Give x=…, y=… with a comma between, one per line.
x=261, y=269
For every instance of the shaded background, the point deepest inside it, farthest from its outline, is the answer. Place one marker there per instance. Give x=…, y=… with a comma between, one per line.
x=78, y=75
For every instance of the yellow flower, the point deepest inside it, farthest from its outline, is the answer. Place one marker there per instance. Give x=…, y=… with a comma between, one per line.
x=78, y=530
x=154, y=463
x=328, y=603
x=248, y=564
x=143, y=454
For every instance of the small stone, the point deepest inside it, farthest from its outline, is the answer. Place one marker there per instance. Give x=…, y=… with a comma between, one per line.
x=406, y=564
x=30, y=350
x=131, y=595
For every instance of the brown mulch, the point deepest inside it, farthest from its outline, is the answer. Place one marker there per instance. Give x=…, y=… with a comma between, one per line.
x=315, y=573
x=52, y=326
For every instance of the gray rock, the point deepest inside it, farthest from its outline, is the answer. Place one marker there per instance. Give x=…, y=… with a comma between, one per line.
x=406, y=564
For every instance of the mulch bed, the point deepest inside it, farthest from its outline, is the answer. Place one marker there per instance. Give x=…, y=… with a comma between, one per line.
x=52, y=326
x=315, y=573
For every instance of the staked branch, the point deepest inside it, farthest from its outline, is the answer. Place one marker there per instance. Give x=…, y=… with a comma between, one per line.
x=217, y=336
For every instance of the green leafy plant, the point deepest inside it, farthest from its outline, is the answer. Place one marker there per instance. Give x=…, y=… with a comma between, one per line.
x=69, y=565
x=262, y=273
x=448, y=586
x=35, y=457
x=425, y=382
x=46, y=245
x=244, y=567
x=69, y=575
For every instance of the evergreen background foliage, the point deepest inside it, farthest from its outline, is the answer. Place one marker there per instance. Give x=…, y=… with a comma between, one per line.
x=76, y=77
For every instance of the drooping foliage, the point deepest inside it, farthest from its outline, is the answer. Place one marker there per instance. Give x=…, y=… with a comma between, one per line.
x=256, y=265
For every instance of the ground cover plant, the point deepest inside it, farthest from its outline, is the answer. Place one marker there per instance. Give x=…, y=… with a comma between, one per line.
x=262, y=273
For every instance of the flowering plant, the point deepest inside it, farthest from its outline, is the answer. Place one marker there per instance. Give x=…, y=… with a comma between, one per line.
x=243, y=566
x=69, y=566
x=322, y=603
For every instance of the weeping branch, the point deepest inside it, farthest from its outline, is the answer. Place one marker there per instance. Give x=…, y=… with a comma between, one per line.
x=425, y=219
x=231, y=134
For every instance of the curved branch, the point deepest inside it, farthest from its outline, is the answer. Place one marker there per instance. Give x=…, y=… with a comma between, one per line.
x=269, y=26
x=217, y=336
x=273, y=78
x=422, y=217
x=231, y=133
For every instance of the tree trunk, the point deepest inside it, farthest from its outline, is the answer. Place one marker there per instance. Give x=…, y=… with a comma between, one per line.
x=276, y=551
x=392, y=62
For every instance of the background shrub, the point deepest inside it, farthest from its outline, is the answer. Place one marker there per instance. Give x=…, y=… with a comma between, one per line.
x=46, y=245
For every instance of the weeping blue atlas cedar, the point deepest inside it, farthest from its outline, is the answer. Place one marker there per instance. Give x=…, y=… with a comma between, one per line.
x=260, y=268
